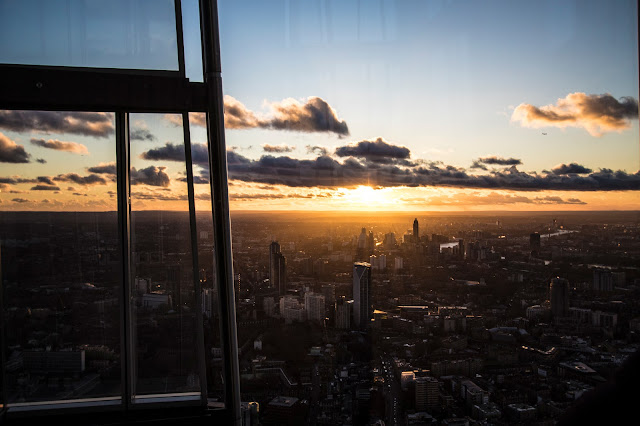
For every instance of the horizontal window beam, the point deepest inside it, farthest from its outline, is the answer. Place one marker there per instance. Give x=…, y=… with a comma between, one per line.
x=88, y=89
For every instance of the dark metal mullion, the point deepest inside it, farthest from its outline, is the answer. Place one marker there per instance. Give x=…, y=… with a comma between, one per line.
x=3, y=345
x=180, y=38
x=194, y=256
x=124, y=227
x=220, y=206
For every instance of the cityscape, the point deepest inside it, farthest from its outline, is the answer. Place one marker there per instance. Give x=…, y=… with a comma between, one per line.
x=320, y=212
x=397, y=319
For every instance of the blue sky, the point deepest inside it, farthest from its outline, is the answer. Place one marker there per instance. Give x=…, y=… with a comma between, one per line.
x=440, y=77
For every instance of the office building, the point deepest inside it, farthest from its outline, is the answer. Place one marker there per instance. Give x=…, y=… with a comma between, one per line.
x=416, y=231
x=344, y=310
x=362, y=310
x=277, y=269
x=314, y=305
x=534, y=244
x=559, y=289
x=427, y=393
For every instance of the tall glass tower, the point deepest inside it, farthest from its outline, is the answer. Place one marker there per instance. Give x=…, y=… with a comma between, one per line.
x=362, y=310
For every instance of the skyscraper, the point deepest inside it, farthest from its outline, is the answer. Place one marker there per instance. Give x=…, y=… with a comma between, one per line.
x=362, y=310
x=534, y=244
x=416, y=231
x=559, y=297
x=277, y=268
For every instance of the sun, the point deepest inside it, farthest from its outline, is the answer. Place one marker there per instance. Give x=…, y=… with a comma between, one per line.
x=366, y=197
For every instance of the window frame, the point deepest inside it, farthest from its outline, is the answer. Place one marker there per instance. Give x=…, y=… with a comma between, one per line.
x=124, y=91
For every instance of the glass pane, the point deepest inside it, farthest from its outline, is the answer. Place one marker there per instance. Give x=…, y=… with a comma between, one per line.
x=61, y=266
x=192, y=40
x=164, y=310
x=442, y=162
x=206, y=259
x=134, y=34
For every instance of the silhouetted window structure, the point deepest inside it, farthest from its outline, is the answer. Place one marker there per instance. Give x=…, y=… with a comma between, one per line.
x=123, y=304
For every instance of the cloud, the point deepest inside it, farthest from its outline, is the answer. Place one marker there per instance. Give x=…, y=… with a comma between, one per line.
x=73, y=147
x=237, y=116
x=316, y=149
x=315, y=115
x=492, y=198
x=11, y=152
x=97, y=124
x=104, y=168
x=46, y=180
x=378, y=151
x=278, y=148
x=152, y=175
x=493, y=160
x=17, y=179
x=573, y=168
x=171, y=152
x=597, y=114
x=327, y=172
x=197, y=180
x=92, y=179
x=45, y=188
x=141, y=134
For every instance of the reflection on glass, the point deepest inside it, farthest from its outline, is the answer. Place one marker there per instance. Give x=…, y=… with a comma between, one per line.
x=60, y=261
x=162, y=287
x=206, y=259
x=134, y=34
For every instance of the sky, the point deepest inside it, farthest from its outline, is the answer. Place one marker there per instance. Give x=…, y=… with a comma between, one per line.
x=357, y=105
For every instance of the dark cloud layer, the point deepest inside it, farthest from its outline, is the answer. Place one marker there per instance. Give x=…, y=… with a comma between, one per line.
x=11, y=152
x=327, y=172
x=573, y=168
x=98, y=124
x=597, y=114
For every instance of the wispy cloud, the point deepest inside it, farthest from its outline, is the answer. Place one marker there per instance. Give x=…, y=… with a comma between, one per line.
x=494, y=160
x=493, y=198
x=73, y=147
x=316, y=149
x=278, y=148
x=98, y=124
x=11, y=152
x=597, y=114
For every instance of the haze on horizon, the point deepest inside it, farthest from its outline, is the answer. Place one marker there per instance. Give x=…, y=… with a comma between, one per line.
x=405, y=106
